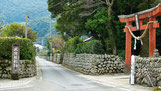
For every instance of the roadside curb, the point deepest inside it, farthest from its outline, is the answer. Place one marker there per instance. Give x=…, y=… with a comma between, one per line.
x=39, y=72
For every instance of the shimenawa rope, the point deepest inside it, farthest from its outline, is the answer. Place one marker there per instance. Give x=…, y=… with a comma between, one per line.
x=144, y=33
x=139, y=37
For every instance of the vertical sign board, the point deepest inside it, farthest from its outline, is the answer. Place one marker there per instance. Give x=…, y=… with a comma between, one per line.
x=15, y=61
x=132, y=70
x=137, y=22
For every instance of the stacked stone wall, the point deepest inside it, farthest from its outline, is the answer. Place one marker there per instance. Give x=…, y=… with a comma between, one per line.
x=26, y=69
x=94, y=64
x=45, y=57
x=57, y=58
x=148, y=71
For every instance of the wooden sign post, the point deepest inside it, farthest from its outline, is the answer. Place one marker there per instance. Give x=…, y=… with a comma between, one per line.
x=15, y=61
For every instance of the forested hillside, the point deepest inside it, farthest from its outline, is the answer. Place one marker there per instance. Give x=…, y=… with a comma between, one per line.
x=14, y=11
x=42, y=27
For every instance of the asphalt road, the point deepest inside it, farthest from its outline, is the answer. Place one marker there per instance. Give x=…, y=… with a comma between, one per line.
x=57, y=78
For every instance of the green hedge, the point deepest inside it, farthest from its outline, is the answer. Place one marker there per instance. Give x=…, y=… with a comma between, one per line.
x=91, y=47
x=27, y=49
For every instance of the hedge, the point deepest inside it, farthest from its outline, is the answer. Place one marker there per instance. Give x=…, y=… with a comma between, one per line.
x=91, y=47
x=71, y=45
x=27, y=49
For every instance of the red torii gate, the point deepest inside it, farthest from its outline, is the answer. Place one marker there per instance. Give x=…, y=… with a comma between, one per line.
x=150, y=14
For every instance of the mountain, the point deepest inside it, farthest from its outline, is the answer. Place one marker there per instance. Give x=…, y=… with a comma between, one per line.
x=14, y=10
x=38, y=15
x=42, y=27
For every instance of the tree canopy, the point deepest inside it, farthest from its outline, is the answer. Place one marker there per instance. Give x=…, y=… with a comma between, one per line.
x=18, y=30
x=97, y=18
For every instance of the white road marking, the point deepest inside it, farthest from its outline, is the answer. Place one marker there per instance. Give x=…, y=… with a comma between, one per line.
x=2, y=89
x=125, y=89
x=110, y=85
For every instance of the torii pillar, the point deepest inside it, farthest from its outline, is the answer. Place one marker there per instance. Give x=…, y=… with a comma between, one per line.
x=150, y=14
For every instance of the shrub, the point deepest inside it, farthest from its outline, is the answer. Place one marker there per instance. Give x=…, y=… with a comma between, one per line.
x=92, y=47
x=43, y=54
x=156, y=89
x=27, y=50
x=57, y=51
x=71, y=44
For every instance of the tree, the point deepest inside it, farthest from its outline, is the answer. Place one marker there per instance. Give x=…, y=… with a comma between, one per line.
x=57, y=42
x=97, y=18
x=97, y=26
x=18, y=30
x=72, y=20
x=109, y=24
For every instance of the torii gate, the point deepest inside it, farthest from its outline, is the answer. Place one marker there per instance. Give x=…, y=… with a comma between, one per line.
x=138, y=17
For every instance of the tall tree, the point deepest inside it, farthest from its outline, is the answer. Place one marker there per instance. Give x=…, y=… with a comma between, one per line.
x=109, y=25
x=18, y=30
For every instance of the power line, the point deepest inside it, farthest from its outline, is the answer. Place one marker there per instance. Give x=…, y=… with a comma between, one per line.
x=18, y=5
x=32, y=19
x=48, y=8
x=13, y=11
x=31, y=13
x=30, y=3
x=43, y=18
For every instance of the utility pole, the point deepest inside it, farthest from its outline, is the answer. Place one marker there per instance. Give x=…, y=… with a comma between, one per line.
x=26, y=26
x=51, y=43
x=50, y=30
x=42, y=41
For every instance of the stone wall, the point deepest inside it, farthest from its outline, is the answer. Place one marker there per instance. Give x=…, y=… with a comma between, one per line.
x=26, y=69
x=94, y=64
x=45, y=57
x=148, y=70
x=57, y=58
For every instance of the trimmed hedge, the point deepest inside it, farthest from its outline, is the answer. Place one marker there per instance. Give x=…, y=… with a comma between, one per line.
x=27, y=49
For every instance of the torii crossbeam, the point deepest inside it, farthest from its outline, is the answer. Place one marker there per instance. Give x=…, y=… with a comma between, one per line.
x=150, y=14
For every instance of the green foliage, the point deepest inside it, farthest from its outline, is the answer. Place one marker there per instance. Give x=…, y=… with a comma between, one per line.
x=42, y=26
x=75, y=21
x=57, y=51
x=121, y=53
x=27, y=50
x=100, y=18
x=29, y=62
x=71, y=44
x=43, y=54
x=91, y=47
x=48, y=44
x=156, y=89
x=18, y=30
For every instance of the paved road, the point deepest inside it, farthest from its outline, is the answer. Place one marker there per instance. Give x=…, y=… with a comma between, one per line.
x=57, y=78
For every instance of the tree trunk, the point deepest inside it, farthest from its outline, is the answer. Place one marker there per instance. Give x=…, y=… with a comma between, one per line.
x=110, y=33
